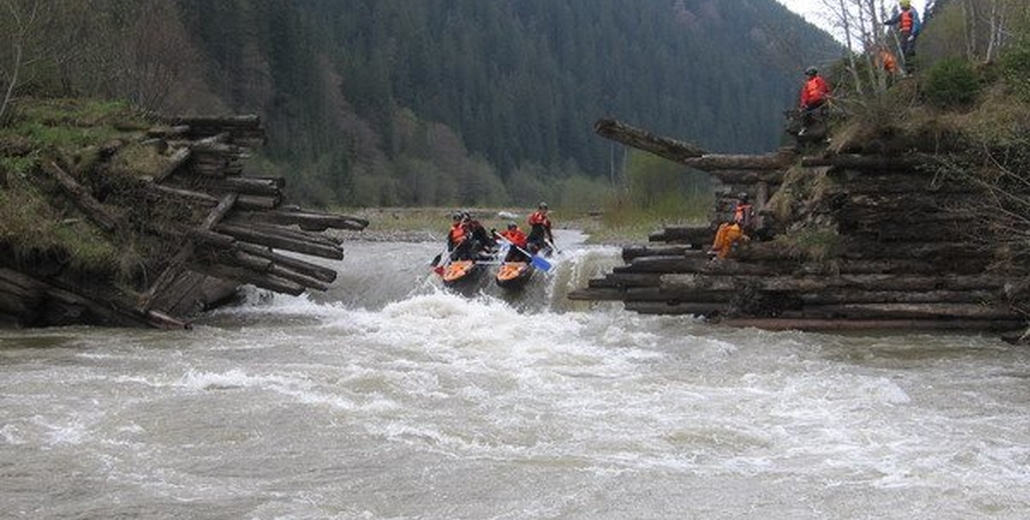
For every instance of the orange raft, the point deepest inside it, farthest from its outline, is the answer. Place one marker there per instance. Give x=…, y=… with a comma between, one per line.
x=512, y=275
x=458, y=271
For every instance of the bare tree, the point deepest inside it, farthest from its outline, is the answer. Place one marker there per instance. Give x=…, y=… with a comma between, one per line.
x=18, y=22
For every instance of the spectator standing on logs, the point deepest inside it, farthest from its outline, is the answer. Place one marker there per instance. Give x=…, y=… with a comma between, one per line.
x=909, y=25
x=813, y=97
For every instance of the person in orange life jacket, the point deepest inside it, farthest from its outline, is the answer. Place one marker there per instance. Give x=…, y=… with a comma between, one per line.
x=540, y=229
x=483, y=243
x=732, y=231
x=515, y=235
x=909, y=25
x=729, y=233
x=458, y=240
x=743, y=212
x=813, y=96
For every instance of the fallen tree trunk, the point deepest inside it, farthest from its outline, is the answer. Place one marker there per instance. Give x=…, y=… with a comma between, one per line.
x=672, y=149
x=82, y=197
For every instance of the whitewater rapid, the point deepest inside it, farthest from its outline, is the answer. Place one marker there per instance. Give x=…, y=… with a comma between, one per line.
x=389, y=397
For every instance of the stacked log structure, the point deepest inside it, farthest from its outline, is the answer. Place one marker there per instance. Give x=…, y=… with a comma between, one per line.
x=215, y=230
x=905, y=250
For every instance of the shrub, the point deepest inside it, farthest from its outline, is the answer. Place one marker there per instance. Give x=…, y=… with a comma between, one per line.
x=1015, y=68
x=951, y=82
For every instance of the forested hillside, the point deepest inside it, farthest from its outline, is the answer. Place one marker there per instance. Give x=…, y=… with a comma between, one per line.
x=399, y=102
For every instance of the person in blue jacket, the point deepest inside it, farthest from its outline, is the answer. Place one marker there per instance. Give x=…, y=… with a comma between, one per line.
x=909, y=25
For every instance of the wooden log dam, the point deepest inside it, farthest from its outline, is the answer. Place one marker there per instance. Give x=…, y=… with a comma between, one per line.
x=846, y=241
x=207, y=230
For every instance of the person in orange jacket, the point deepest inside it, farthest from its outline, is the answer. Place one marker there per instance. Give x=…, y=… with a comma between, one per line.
x=459, y=242
x=909, y=26
x=814, y=94
x=729, y=233
x=540, y=229
x=515, y=235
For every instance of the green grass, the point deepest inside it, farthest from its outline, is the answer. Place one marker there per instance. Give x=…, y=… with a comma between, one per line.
x=35, y=219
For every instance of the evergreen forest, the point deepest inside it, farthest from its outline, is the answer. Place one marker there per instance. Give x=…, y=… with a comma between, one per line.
x=431, y=102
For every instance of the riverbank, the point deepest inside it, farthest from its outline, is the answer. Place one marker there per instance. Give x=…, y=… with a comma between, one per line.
x=430, y=224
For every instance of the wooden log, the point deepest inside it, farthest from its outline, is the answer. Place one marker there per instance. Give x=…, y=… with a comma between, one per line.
x=773, y=161
x=252, y=202
x=177, y=159
x=837, y=266
x=249, y=234
x=813, y=284
x=263, y=186
x=864, y=162
x=160, y=320
x=179, y=260
x=748, y=177
x=298, y=234
x=246, y=120
x=161, y=190
x=263, y=280
x=315, y=271
x=666, y=265
x=627, y=280
x=309, y=221
x=817, y=325
x=597, y=294
x=631, y=252
x=835, y=297
x=675, y=308
x=307, y=281
x=672, y=149
x=893, y=311
x=701, y=236
x=82, y=197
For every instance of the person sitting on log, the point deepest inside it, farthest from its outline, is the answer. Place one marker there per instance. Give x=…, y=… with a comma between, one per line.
x=744, y=213
x=814, y=94
x=518, y=240
x=728, y=235
x=540, y=229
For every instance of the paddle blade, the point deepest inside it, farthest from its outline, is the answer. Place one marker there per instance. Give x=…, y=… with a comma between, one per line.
x=438, y=270
x=540, y=263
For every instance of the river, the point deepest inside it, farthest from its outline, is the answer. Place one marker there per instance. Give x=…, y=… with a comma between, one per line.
x=391, y=398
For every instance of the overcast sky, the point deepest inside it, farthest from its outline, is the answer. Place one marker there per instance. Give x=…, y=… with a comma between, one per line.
x=811, y=10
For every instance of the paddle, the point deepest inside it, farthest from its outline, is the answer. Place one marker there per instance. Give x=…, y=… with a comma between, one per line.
x=554, y=248
x=435, y=264
x=534, y=260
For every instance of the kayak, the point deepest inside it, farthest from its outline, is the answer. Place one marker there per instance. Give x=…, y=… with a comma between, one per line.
x=513, y=275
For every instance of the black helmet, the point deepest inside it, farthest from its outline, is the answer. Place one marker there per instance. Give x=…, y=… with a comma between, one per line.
x=811, y=71
x=542, y=205
x=742, y=196
x=456, y=216
x=512, y=225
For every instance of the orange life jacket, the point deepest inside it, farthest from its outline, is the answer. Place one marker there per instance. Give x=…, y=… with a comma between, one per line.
x=906, y=21
x=538, y=218
x=515, y=236
x=742, y=214
x=888, y=62
x=457, y=234
x=815, y=90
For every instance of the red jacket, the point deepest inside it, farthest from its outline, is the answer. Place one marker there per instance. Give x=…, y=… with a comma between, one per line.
x=515, y=236
x=538, y=218
x=814, y=91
